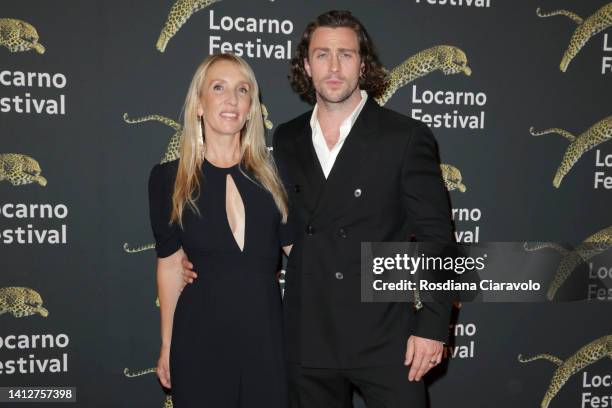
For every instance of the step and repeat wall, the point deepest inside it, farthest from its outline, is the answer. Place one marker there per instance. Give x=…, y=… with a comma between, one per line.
x=517, y=93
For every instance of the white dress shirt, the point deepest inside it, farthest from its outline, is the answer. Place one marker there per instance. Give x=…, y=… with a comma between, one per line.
x=326, y=156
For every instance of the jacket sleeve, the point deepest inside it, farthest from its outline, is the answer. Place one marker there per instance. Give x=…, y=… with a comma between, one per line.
x=426, y=201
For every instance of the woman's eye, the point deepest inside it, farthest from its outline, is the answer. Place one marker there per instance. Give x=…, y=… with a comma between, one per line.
x=244, y=90
x=217, y=87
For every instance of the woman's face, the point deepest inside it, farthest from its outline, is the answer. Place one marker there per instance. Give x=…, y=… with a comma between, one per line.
x=225, y=99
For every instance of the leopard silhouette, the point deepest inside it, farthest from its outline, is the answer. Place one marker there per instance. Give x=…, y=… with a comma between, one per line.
x=19, y=169
x=173, y=149
x=21, y=302
x=267, y=122
x=446, y=58
x=452, y=178
x=179, y=14
x=126, y=372
x=595, y=244
x=172, y=153
x=595, y=23
x=593, y=136
x=18, y=36
x=585, y=356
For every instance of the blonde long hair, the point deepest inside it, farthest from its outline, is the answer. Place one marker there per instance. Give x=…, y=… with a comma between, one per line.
x=254, y=155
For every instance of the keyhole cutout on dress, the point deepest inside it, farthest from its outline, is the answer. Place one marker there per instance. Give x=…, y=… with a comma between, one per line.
x=234, y=208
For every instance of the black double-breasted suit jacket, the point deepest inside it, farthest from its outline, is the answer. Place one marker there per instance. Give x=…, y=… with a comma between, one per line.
x=385, y=185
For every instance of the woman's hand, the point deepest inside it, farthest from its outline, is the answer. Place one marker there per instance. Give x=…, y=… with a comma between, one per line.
x=187, y=272
x=163, y=367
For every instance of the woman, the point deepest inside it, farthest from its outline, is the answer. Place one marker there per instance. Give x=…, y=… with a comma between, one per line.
x=222, y=205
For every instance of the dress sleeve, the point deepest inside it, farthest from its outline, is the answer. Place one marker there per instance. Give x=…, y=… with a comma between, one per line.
x=167, y=236
x=286, y=232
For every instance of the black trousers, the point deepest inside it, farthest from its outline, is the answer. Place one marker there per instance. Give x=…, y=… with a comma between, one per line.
x=381, y=387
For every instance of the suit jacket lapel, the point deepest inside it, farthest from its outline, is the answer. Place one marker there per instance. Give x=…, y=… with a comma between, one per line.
x=309, y=163
x=351, y=159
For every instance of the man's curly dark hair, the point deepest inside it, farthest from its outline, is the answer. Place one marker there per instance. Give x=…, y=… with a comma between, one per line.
x=373, y=76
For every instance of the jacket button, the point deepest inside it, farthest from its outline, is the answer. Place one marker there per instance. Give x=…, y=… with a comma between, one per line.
x=339, y=275
x=357, y=192
x=342, y=233
x=309, y=230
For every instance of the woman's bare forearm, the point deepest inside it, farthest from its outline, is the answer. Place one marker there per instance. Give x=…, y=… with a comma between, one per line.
x=169, y=285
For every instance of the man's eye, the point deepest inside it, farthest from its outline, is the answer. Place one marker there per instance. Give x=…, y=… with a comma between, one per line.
x=322, y=55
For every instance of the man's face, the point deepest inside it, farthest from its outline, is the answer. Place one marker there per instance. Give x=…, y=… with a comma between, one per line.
x=334, y=63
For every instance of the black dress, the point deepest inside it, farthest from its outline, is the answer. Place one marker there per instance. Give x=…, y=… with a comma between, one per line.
x=227, y=346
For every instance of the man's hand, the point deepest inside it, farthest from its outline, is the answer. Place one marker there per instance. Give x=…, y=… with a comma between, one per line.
x=421, y=355
x=187, y=272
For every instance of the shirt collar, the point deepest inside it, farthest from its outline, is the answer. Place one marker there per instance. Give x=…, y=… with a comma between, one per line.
x=347, y=123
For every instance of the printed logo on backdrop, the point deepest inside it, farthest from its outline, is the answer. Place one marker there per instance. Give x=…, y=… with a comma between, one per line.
x=454, y=182
x=587, y=28
x=606, y=60
x=595, y=386
x=596, y=244
x=459, y=3
x=21, y=170
x=20, y=302
x=27, y=103
x=449, y=60
x=463, y=345
x=592, y=137
x=182, y=10
x=19, y=36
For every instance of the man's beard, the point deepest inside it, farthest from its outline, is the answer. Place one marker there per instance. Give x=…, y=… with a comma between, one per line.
x=337, y=99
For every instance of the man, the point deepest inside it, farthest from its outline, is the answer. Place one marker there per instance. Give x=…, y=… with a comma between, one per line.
x=358, y=173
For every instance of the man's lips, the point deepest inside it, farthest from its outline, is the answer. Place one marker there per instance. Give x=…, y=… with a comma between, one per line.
x=334, y=82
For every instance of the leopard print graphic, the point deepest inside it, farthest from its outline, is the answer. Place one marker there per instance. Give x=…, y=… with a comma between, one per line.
x=21, y=302
x=17, y=36
x=446, y=58
x=585, y=356
x=179, y=14
x=127, y=373
x=593, y=136
x=19, y=169
x=597, y=22
x=597, y=243
x=452, y=178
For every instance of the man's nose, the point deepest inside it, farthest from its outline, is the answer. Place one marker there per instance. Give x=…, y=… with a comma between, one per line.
x=335, y=63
